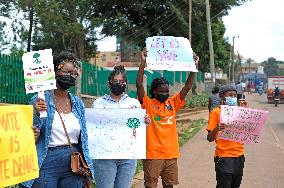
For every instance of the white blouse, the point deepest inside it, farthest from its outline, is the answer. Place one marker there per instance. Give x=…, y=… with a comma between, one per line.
x=58, y=136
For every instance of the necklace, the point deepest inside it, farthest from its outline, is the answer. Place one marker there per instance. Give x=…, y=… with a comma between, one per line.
x=62, y=106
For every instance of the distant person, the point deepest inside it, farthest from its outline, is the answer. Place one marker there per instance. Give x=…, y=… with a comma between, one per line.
x=249, y=87
x=240, y=91
x=214, y=99
x=276, y=91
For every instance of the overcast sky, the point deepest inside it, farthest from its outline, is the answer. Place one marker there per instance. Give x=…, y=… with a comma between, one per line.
x=260, y=27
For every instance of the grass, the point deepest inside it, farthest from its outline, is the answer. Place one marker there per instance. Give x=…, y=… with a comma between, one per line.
x=190, y=131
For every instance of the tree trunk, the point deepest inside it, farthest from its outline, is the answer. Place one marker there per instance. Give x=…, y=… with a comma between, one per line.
x=31, y=20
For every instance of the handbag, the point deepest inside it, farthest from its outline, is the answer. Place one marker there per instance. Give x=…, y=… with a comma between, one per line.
x=78, y=164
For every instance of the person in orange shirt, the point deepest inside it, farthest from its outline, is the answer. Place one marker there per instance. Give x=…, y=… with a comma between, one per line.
x=229, y=155
x=162, y=148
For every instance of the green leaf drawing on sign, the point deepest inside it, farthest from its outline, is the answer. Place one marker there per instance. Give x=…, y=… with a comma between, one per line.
x=133, y=123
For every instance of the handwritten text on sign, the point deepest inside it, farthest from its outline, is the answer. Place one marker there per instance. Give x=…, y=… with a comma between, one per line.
x=39, y=71
x=18, y=159
x=169, y=53
x=116, y=133
x=243, y=124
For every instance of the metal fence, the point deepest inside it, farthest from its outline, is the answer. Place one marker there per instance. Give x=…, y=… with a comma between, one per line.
x=94, y=80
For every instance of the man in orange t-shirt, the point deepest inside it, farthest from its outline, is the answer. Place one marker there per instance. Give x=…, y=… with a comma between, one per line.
x=229, y=155
x=162, y=148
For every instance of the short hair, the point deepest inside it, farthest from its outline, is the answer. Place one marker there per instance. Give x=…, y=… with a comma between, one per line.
x=116, y=71
x=215, y=90
x=156, y=83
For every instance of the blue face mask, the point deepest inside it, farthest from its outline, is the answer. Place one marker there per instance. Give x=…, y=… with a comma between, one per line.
x=231, y=101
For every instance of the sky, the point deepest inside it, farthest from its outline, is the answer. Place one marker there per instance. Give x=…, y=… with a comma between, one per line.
x=260, y=27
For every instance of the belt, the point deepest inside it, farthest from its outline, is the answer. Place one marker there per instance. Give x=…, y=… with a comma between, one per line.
x=62, y=147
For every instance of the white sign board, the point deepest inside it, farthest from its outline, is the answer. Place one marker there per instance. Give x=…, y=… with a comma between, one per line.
x=39, y=71
x=116, y=133
x=170, y=53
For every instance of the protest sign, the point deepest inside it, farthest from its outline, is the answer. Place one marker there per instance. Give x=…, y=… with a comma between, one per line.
x=169, y=53
x=18, y=159
x=243, y=124
x=116, y=133
x=39, y=71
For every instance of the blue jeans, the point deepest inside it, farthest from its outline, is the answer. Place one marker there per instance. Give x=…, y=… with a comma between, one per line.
x=56, y=170
x=117, y=173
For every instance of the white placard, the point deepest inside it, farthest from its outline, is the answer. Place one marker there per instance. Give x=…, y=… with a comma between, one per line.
x=112, y=133
x=170, y=53
x=39, y=71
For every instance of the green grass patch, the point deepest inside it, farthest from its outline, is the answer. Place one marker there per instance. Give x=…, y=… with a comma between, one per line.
x=200, y=100
x=190, y=131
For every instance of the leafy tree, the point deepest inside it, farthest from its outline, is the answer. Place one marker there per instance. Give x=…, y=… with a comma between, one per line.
x=56, y=24
x=271, y=67
x=135, y=20
x=66, y=24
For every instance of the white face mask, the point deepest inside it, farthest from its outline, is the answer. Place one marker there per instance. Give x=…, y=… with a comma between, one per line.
x=231, y=101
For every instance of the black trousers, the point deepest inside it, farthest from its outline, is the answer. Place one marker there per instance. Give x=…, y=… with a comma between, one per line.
x=229, y=171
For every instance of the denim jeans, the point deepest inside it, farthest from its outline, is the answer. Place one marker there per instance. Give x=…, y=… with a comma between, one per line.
x=117, y=173
x=56, y=170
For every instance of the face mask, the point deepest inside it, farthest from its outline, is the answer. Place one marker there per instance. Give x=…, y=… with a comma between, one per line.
x=231, y=101
x=117, y=89
x=161, y=97
x=66, y=81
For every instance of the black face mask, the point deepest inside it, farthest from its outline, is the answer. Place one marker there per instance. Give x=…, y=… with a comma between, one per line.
x=66, y=81
x=161, y=97
x=117, y=89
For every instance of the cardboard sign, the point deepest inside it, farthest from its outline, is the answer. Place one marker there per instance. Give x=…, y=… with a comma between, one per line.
x=116, y=133
x=169, y=53
x=39, y=71
x=243, y=124
x=18, y=159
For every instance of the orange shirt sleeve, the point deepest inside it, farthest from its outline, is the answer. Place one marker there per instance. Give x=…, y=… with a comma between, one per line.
x=213, y=121
x=178, y=103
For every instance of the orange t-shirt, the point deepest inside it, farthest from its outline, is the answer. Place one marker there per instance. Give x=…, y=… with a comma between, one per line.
x=224, y=148
x=161, y=134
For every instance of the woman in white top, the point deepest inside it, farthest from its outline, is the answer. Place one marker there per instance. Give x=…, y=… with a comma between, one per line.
x=117, y=173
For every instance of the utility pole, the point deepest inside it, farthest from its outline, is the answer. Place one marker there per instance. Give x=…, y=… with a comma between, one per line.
x=189, y=24
x=230, y=64
x=233, y=57
x=189, y=19
x=210, y=41
x=240, y=61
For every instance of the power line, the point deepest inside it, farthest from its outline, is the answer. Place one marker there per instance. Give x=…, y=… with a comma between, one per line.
x=140, y=29
x=165, y=24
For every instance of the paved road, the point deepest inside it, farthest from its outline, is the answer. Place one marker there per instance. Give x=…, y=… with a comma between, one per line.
x=264, y=167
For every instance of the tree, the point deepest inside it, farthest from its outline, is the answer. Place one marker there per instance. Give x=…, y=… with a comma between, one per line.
x=271, y=67
x=135, y=20
x=57, y=24
x=66, y=24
